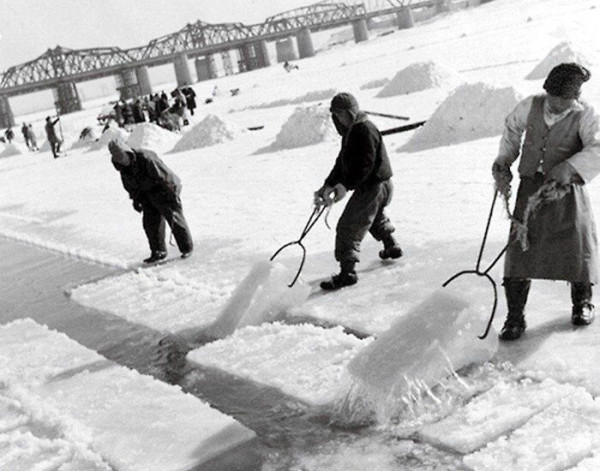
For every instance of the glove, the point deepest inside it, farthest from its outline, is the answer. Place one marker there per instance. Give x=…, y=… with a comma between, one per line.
x=327, y=195
x=502, y=176
x=138, y=206
x=564, y=174
x=339, y=192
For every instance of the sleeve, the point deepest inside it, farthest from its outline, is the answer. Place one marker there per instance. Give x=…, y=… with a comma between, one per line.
x=361, y=154
x=514, y=127
x=335, y=176
x=587, y=161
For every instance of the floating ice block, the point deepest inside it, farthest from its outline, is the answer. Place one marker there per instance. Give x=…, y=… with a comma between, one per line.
x=425, y=344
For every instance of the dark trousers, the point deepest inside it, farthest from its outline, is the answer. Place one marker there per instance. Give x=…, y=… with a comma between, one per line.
x=363, y=213
x=161, y=207
x=55, y=147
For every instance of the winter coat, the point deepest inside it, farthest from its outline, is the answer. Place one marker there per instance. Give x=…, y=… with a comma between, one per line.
x=562, y=233
x=363, y=159
x=147, y=173
x=50, y=131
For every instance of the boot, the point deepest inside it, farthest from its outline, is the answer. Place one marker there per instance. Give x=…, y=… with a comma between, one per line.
x=583, y=309
x=156, y=256
x=516, y=291
x=391, y=249
x=346, y=277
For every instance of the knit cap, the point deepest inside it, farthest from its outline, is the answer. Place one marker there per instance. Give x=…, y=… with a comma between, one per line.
x=120, y=152
x=565, y=80
x=343, y=101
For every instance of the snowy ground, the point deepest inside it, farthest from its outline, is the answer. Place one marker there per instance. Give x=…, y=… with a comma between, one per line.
x=247, y=193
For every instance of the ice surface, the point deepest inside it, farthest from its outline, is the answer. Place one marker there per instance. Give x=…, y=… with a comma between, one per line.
x=426, y=344
x=558, y=438
x=14, y=148
x=471, y=111
x=137, y=422
x=496, y=412
x=375, y=83
x=420, y=76
x=260, y=297
x=303, y=361
x=562, y=52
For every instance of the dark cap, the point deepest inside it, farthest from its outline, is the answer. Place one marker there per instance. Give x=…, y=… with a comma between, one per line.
x=565, y=80
x=344, y=101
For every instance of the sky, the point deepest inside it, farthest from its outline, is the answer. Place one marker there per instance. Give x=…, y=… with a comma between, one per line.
x=30, y=27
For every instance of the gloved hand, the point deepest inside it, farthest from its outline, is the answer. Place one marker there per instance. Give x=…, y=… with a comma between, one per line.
x=327, y=195
x=339, y=192
x=502, y=176
x=138, y=206
x=564, y=174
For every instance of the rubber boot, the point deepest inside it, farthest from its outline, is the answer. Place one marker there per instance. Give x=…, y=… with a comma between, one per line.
x=516, y=291
x=391, y=249
x=346, y=277
x=583, y=309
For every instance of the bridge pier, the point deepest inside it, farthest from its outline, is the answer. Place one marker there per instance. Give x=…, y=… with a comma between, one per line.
x=286, y=50
x=305, y=44
x=443, y=7
x=182, y=70
x=205, y=68
x=127, y=84
x=405, y=18
x=254, y=56
x=143, y=80
x=474, y=3
x=66, y=98
x=7, y=119
x=361, y=33
x=227, y=63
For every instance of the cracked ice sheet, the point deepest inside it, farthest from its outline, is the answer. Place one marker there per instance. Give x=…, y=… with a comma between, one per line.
x=494, y=413
x=557, y=438
x=303, y=361
x=135, y=421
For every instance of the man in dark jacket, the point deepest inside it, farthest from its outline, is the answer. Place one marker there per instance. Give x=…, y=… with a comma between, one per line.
x=154, y=189
x=557, y=137
x=53, y=139
x=363, y=166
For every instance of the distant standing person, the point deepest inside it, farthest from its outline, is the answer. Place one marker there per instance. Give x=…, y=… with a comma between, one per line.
x=557, y=137
x=9, y=134
x=25, y=132
x=362, y=165
x=53, y=139
x=32, y=138
x=154, y=189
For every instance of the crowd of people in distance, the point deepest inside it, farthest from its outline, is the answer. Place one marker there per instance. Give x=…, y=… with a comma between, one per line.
x=28, y=135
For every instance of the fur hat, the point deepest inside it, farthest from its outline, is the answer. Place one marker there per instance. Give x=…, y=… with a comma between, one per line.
x=565, y=80
x=121, y=152
x=343, y=101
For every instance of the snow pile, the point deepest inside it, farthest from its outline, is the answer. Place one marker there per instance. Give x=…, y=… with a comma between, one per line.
x=563, y=52
x=303, y=361
x=151, y=136
x=13, y=148
x=472, y=111
x=260, y=297
x=375, y=83
x=210, y=131
x=306, y=126
x=420, y=76
x=108, y=135
x=88, y=139
x=314, y=95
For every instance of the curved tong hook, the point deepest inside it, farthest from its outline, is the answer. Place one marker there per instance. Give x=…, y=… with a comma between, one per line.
x=477, y=271
x=312, y=220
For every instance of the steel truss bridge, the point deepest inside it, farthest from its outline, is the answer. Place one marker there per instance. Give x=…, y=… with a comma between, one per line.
x=59, y=65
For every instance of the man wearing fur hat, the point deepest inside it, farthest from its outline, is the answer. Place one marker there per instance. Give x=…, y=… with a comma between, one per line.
x=154, y=189
x=362, y=165
x=560, y=149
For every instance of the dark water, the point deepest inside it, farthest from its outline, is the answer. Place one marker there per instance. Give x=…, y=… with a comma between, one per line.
x=290, y=436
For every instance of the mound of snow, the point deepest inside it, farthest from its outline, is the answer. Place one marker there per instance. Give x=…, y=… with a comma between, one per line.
x=306, y=126
x=471, y=111
x=563, y=52
x=208, y=132
x=13, y=149
x=314, y=95
x=151, y=136
x=375, y=83
x=87, y=140
x=108, y=135
x=420, y=76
